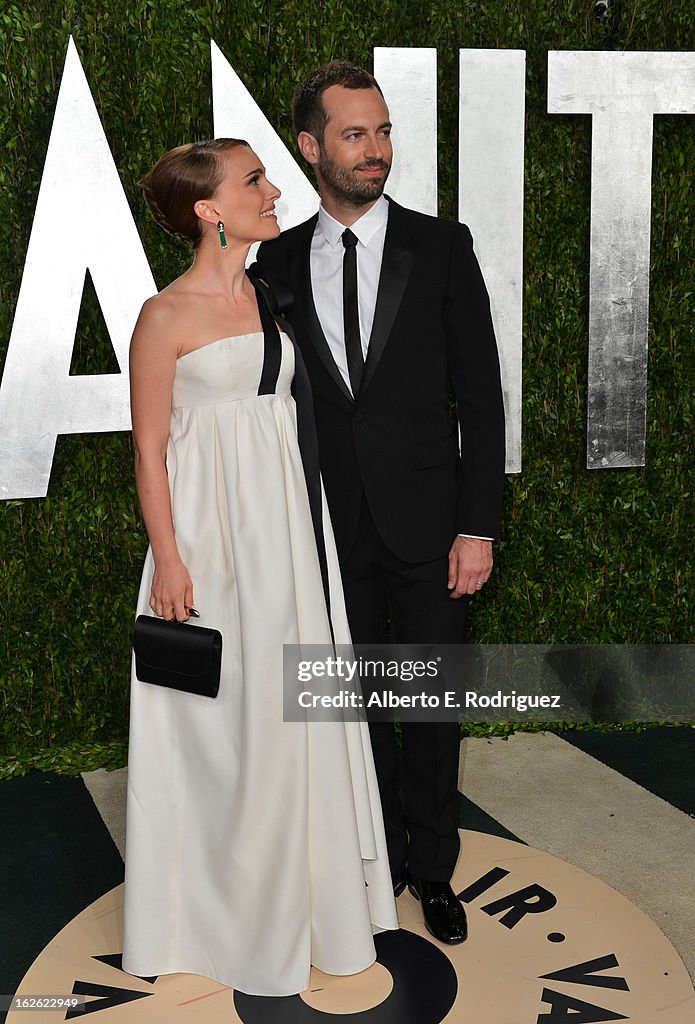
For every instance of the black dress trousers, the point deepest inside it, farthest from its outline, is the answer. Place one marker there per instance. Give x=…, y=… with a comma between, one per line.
x=418, y=784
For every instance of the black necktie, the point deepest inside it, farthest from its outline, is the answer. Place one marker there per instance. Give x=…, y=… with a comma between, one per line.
x=351, y=312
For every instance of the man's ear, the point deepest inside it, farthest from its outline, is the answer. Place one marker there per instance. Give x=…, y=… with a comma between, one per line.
x=309, y=148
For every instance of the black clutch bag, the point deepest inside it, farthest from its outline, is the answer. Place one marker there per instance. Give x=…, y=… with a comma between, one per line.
x=182, y=657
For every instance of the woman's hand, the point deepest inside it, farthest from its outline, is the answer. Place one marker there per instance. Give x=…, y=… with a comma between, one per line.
x=172, y=592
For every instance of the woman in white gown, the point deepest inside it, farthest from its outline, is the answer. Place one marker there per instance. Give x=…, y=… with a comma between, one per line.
x=255, y=847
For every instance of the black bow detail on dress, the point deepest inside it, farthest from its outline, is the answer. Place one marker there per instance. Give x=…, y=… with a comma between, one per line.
x=278, y=296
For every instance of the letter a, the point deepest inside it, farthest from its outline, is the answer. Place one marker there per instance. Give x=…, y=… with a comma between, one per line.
x=82, y=221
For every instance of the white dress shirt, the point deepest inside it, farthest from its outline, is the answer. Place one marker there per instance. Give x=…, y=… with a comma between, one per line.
x=326, y=263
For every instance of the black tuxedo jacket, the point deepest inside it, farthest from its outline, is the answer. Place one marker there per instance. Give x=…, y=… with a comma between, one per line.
x=398, y=442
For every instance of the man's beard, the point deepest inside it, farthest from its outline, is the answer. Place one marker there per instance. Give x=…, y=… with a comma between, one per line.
x=345, y=186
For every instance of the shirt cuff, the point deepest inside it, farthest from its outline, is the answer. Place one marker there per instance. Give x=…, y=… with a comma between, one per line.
x=473, y=536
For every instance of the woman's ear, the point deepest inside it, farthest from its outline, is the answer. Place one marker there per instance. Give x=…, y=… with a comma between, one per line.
x=206, y=210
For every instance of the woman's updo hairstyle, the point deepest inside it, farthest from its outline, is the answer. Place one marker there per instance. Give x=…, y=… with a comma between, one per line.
x=179, y=179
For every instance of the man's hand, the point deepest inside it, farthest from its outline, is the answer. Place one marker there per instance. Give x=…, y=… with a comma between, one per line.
x=470, y=565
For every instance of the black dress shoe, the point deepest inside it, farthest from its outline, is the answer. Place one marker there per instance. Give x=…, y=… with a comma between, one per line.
x=444, y=916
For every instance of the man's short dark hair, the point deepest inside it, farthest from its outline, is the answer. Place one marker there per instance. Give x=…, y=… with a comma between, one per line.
x=307, y=108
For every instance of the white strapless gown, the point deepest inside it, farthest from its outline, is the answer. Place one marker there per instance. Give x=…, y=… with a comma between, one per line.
x=255, y=847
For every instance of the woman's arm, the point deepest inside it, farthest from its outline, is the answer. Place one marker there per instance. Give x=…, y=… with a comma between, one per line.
x=152, y=366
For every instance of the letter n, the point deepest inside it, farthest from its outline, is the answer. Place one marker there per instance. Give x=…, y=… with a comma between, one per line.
x=82, y=221
x=237, y=115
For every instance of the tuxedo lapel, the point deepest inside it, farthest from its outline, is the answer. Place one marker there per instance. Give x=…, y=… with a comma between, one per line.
x=396, y=265
x=300, y=271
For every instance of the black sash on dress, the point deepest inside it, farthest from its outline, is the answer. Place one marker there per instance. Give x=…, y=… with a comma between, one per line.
x=272, y=304
x=272, y=348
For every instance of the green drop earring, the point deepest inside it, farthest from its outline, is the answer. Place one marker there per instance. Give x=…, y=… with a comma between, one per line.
x=223, y=237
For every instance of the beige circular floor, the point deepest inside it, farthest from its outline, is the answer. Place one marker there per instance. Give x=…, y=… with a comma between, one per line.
x=547, y=943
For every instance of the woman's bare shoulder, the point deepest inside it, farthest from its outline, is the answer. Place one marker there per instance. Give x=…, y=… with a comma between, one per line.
x=164, y=316
x=165, y=305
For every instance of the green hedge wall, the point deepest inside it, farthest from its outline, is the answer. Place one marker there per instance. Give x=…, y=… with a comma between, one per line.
x=593, y=557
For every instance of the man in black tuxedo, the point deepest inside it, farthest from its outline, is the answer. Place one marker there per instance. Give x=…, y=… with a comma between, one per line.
x=389, y=313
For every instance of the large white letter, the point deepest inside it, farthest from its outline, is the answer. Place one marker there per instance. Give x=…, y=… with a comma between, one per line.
x=491, y=202
x=237, y=115
x=408, y=78
x=492, y=125
x=622, y=92
x=82, y=221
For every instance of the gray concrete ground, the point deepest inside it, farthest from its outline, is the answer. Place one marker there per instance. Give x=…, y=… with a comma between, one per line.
x=559, y=799
x=108, y=791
